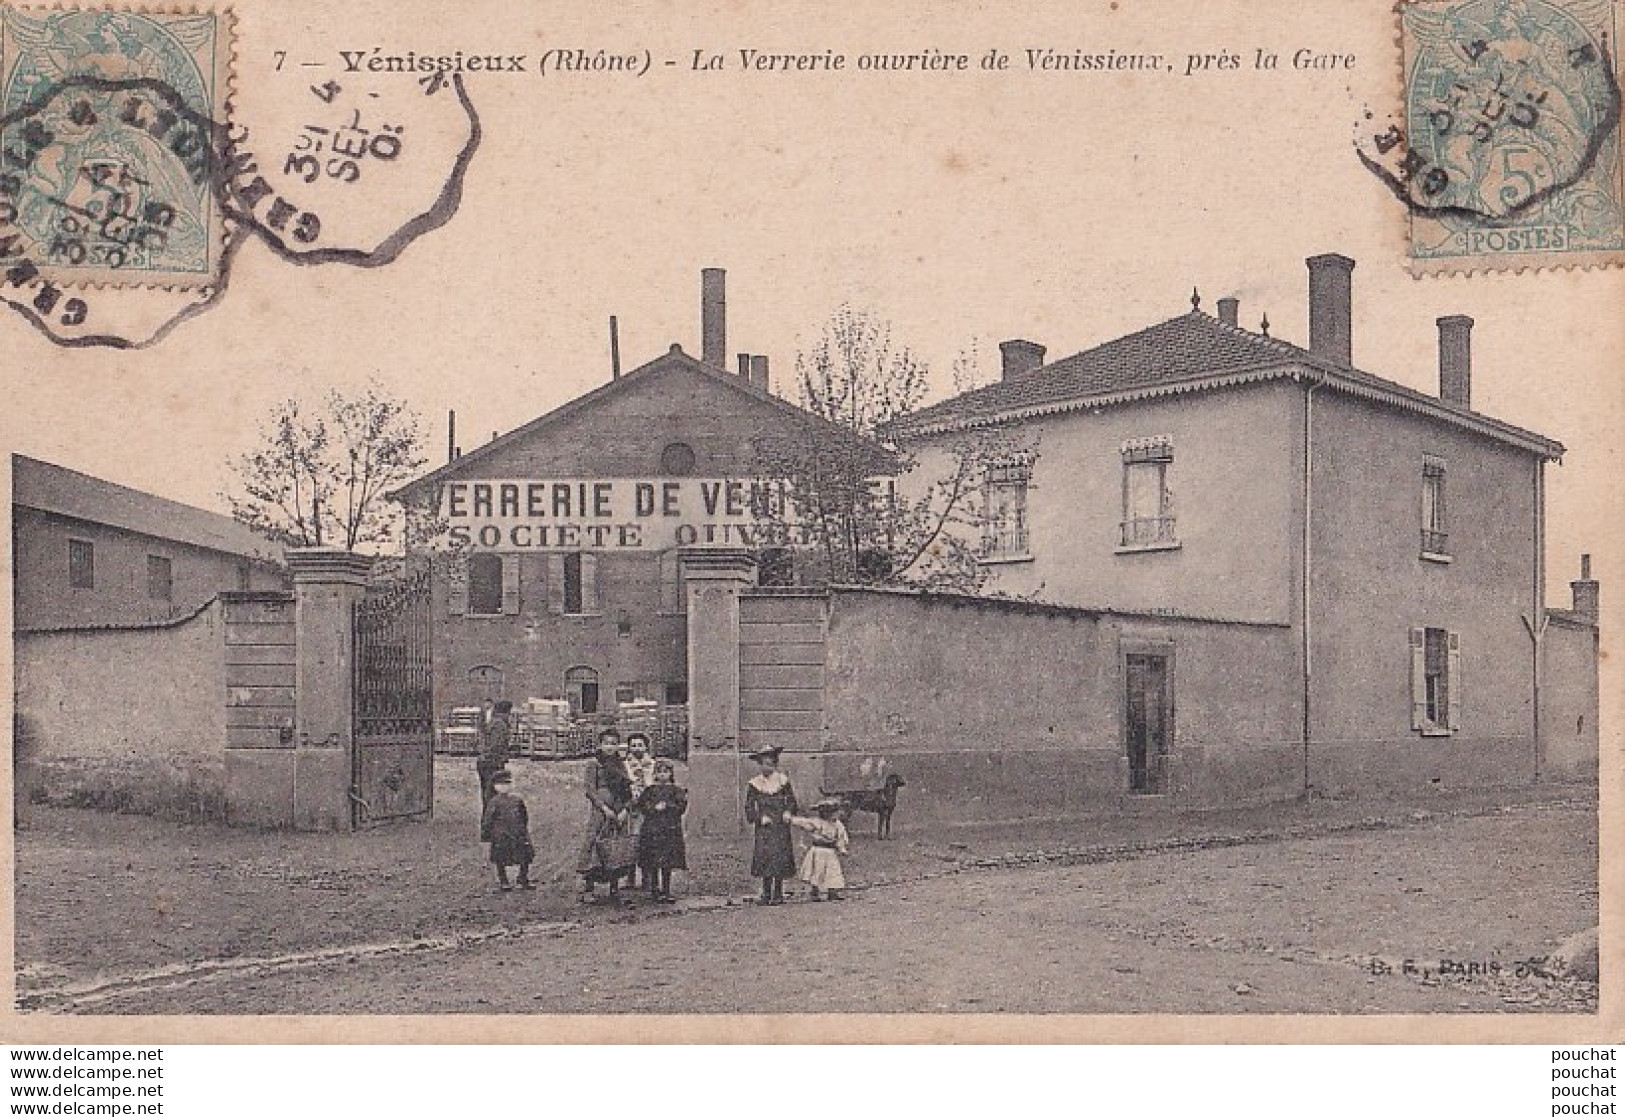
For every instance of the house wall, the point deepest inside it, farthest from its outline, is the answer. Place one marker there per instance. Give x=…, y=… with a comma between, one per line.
x=1568, y=700
x=1370, y=587
x=130, y=719
x=1234, y=489
x=929, y=688
x=43, y=597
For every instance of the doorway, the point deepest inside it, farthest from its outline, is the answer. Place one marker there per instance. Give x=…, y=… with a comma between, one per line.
x=1148, y=720
x=581, y=690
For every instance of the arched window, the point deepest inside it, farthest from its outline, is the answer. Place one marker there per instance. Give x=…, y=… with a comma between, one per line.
x=486, y=681
x=485, y=584
x=581, y=690
x=677, y=460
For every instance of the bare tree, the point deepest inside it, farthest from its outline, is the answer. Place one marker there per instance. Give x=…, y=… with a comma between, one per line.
x=873, y=510
x=319, y=475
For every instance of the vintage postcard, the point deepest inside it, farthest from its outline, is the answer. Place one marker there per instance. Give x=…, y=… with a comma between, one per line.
x=727, y=521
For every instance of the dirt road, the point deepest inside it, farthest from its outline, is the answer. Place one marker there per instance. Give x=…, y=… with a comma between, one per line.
x=1354, y=922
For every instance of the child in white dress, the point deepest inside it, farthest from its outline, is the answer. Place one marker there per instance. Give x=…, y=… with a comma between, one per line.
x=826, y=834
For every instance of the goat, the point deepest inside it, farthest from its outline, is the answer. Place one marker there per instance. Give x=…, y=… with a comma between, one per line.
x=880, y=803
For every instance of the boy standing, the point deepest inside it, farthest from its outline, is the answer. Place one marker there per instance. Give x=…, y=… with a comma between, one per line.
x=506, y=825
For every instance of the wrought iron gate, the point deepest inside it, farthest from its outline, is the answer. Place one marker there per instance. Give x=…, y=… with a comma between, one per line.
x=393, y=772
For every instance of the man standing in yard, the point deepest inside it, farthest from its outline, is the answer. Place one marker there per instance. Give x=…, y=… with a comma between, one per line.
x=494, y=751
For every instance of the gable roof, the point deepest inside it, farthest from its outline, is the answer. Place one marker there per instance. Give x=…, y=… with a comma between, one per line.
x=59, y=491
x=1193, y=352
x=674, y=358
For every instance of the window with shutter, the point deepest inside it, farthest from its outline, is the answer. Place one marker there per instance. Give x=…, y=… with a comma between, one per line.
x=510, y=585
x=487, y=578
x=1435, y=530
x=1419, y=707
x=81, y=564
x=671, y=582
x=591, y=602
x=1453, y=674
x=1148, y=501
x=160, y=579
x=555, y=583
x=572, y=583
x=457, y=589
x=1435, y=681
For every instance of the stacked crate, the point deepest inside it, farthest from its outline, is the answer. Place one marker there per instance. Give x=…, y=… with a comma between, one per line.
x=545, y=721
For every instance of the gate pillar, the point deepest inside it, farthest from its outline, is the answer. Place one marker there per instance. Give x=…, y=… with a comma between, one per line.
x=714, y=577
x=327, y=583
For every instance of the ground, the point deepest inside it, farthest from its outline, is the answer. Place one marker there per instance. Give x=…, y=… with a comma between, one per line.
x=1316, y=906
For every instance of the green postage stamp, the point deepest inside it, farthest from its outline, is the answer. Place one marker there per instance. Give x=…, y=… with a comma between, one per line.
x=107, y=144
x=1507, y=153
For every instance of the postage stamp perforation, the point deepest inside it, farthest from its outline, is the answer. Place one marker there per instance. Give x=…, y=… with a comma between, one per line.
x=1503, y=139
x=116, y=109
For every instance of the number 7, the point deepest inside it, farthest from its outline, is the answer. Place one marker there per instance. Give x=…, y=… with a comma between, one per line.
x=281, y=57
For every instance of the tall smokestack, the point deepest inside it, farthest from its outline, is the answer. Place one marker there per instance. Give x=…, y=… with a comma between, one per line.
x=451, y=436
x=1331, y=310
x=1456, y=361
x=614, y=348
x=714, y=318
x=758, y=371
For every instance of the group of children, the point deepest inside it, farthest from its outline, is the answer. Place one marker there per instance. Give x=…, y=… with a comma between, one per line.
x=637, y=793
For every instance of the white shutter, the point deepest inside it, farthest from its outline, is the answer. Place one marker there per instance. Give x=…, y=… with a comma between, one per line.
x=510, y=585
x=670, y=598
x=589, y=583
x=555, y=583
x=1419, y=681
x=1453, y=681
x=457, y=587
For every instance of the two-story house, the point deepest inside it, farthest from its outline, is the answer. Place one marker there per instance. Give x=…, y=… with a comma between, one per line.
x=1201, y=470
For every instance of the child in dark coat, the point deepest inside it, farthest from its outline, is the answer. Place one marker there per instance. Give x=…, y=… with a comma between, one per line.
x=660, y=842
x=506, y=825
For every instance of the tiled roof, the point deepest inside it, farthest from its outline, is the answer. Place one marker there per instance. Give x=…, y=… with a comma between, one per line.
x=65, y=492
x=1193, y=350
x=1188, y=347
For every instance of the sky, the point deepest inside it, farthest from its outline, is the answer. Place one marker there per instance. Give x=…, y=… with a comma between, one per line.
x=1062, y=207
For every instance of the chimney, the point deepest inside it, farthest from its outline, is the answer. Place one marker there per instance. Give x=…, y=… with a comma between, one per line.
x=614, y=348
x=744, y=366
x=714, y=318
x=1331, y=289
x=1021, y=357
x=451, y=436
x=1456, y=361
x=758, y=372
x=1586, y=595
x=1229, y=311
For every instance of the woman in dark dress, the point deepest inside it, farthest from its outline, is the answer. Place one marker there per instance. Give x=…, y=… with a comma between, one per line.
x=609, y=799
x=770, y=803
x=660, y=842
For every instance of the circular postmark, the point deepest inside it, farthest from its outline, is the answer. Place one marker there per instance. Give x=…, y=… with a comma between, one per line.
x=1507, y=137
x=108, y=180
x=122, y=205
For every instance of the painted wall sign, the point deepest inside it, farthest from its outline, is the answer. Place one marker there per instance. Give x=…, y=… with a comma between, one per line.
x=617, y=513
